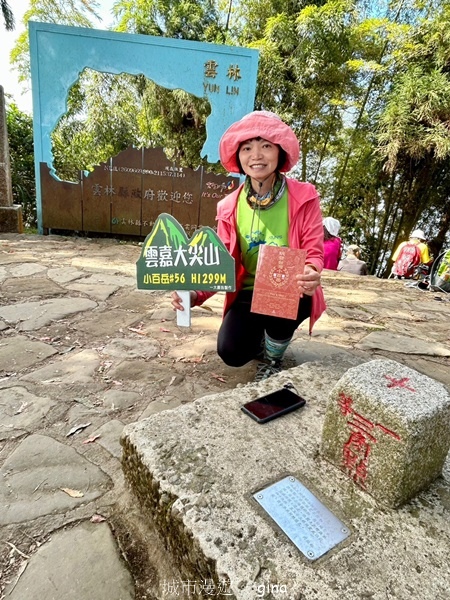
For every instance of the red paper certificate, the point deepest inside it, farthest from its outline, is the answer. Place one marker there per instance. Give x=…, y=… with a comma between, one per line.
x=276, y=290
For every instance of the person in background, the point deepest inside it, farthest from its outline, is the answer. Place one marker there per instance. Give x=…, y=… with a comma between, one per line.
x=418, y=238
x=268, y=208
x=352, y=263
x=332, y=246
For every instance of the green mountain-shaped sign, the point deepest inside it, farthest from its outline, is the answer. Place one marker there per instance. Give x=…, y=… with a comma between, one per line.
x=171, y=261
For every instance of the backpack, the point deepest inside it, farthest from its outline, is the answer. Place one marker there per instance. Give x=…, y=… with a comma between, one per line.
x=407, y=260
x=440, y=273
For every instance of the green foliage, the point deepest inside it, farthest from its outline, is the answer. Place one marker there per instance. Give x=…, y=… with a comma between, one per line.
x=20, y=137
x=415, y=122
x=177, y=123
x=413, y=132
x=182, y=19
x=100, y=122
x=107, y=113
x=304, y=74
x=77, y=13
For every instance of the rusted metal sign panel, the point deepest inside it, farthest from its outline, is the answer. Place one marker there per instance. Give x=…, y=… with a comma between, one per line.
x=126, y=194
x=170, y=189
x=63, y=207
x=96, y=199
x=214, y=188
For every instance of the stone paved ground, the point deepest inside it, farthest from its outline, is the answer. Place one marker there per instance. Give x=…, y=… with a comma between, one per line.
x=83, y=353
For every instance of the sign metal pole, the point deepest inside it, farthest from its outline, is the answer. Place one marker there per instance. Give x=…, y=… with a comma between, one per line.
x=184, y=316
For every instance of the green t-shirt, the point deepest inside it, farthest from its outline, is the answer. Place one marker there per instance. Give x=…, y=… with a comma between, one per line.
x=256, y=227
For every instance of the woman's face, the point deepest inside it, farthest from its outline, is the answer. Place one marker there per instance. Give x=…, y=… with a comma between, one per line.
x=259, y=158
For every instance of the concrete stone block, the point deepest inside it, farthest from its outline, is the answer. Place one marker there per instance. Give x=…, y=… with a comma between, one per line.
x=193, y=471
x=388, y=427
x=11, y=219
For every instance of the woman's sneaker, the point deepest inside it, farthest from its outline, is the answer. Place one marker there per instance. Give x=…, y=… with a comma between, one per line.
x=266, y=369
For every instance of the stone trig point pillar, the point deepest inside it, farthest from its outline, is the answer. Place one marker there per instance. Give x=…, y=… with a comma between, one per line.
x=10, y=214
x=388, y=427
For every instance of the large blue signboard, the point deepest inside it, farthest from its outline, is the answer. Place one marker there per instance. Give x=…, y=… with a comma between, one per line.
x=224, y=75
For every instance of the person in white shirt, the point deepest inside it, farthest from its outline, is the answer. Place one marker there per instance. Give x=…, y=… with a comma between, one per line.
x=352, y=263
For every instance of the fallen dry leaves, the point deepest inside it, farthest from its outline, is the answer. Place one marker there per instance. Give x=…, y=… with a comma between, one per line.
x=97, y=519
x=72, y=493
x=138, y=329
x=91, y=439
x=195, y=359
x=219, y=377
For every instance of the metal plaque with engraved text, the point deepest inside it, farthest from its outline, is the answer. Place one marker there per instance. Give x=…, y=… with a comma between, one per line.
x=304, y=519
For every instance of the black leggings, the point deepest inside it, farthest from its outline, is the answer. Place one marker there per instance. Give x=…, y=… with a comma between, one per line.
x=242, y=331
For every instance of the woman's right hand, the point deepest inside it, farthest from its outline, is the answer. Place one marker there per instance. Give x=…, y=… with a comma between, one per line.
x=177, y=303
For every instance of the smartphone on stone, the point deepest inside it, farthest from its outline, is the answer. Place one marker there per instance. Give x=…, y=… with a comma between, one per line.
x=273, y=405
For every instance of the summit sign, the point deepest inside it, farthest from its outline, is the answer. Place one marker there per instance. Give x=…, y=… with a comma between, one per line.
x=171, y=261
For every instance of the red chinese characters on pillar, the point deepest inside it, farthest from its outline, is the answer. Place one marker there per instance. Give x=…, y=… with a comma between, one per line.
x=356, y=450
x=355, y=457
x=393, y=383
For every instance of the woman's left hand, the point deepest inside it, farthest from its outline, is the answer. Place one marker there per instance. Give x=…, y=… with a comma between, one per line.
x=308, y=281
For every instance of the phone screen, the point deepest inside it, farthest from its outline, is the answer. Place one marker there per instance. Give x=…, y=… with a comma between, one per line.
x=273, y=405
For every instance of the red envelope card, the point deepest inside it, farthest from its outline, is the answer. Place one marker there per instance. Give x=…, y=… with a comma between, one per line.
x=276, y=290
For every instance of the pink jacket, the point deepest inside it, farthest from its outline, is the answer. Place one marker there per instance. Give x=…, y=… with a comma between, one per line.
x=332, y=253
x=305, y=231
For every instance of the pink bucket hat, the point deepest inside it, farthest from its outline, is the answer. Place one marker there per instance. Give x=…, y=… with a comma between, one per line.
x=260, y=123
